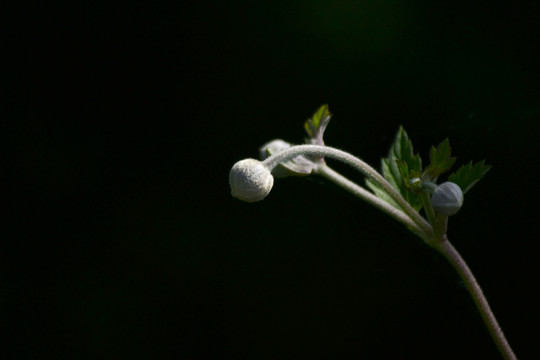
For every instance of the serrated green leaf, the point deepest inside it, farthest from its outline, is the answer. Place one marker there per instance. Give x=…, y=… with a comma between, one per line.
x=440, y=160
x=402, y=161
x=399, y=167
x=408, y=174
x=403, y=169
x=317, y=124
x=469, y=174
x=382, y=194
x=389, y=174
x=402, y=149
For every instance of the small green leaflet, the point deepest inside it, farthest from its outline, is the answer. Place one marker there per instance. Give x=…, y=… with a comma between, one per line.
x=317, y=124
x=468, y=175
x=440, y=160
x=402, y=149
x=377, y=190
x=398, y=169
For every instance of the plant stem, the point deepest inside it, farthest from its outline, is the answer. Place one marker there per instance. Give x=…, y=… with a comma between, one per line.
x=330, y=174
x=452, y=255
x=354, y=162
x=428, y=209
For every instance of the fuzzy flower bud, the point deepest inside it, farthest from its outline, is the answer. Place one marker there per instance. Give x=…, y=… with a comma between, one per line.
x=447, y=198
x=250, y=180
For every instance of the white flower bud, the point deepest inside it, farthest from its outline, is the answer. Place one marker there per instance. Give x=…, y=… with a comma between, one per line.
x=447, y=198
x=250, y=180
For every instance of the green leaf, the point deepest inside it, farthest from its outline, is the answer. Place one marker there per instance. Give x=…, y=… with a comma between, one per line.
x=402, y=163
x=317, y=124
x=468, y=175
x=377, y=190
x=440, y=160
x=402, y=149
x=398, y=168
x=388, y=174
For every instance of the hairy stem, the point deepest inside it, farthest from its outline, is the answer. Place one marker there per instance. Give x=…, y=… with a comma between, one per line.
x=354, y=162
x=428, y=209
x=330, y=174
x=452, y=255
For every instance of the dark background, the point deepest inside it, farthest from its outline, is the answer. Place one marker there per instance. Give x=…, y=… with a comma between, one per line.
x=121, y=239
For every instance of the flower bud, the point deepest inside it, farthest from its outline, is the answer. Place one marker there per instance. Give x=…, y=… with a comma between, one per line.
x=447, y=198
x=250, y=180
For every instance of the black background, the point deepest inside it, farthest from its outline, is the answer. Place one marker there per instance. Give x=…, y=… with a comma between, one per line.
x=122, y=120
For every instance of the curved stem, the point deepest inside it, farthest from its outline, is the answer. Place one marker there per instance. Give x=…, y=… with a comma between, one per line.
x=354, y=162
x=452, y=255
x=357, y=190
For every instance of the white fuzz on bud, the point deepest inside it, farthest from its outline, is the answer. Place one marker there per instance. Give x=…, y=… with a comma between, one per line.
x=250, y=180
x=447, y=198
